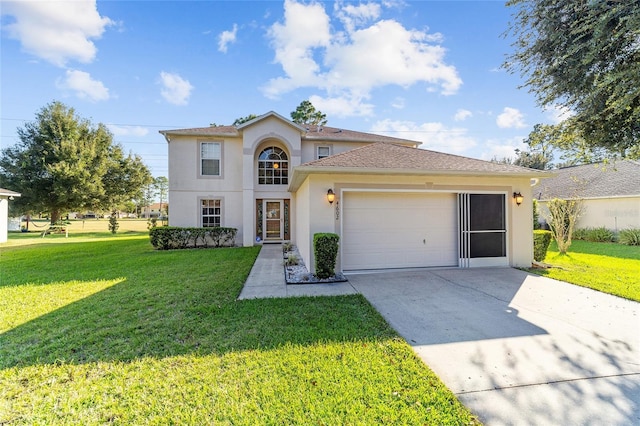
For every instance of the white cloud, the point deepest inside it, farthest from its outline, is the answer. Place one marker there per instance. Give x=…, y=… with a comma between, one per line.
x=511, y=118
x=462, y=114
x=227, y=37
x=137, y=131
x=84, y=86
x=353, y=16
x=342, y=106
x=434, y=136
x=398, y=103
x=503, y=148
x=175, y=89
x=558, y=113
x=305, y=28
x=354, y=62
x=56, y=31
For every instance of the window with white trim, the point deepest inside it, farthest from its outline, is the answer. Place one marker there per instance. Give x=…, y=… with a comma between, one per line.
x=273, y=167
x=211, y=213
x=210, y=157
x=323, y=151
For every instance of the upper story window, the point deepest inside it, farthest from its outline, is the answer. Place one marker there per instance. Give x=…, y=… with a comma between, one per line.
x=210, y=157
x=273, y=167
x=323, y=151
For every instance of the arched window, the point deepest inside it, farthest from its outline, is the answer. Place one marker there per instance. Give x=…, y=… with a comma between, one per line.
x=273, y=167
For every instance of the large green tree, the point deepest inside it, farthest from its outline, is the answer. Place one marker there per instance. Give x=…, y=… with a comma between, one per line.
x=63, y=163
x=306, y=113
x=161, y=185
x=585, y=56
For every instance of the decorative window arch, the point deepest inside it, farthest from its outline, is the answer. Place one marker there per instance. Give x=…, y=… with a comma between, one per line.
x=273, y=166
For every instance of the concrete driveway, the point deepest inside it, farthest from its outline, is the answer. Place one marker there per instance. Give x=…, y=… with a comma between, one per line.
x=518, y=348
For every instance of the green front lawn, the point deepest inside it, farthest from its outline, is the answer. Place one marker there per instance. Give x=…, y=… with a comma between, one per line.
x=107, y=330
x=607, y=267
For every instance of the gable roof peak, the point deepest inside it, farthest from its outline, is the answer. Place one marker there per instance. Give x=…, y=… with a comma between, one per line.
x=270, y=114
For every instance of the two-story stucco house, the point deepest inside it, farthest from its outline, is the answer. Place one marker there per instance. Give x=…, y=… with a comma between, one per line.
x=393, y=205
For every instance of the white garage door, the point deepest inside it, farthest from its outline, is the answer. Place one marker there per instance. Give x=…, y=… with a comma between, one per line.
x=398, y=230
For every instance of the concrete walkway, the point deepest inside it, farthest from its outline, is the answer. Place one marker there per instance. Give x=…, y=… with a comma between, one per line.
x=518, y=348
x=266, y=279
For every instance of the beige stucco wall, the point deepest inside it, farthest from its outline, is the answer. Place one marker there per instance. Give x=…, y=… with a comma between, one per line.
x=187, y=188
x=322, y=217
x=301, y=211
x=4, y=218
x=614, y=214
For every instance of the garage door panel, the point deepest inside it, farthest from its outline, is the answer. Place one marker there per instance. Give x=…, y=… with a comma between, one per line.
x=398, y=230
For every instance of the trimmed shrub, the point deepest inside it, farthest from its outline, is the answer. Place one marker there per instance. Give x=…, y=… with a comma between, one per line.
x=325, y=249
x=541, y=241
x=595, y=235
x=173, y=237
x=629, y=237
x=536, y=215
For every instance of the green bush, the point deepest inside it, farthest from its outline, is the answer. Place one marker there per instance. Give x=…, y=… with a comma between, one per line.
x=580, y=234
x=325, y=249
x=595, y=235
x=113, y=222
x=536, y=215
x=172, y=237
x=541, y=241
x=629, y=237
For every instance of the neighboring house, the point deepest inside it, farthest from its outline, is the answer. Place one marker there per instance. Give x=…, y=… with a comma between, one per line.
x=5, y=197
x=153, y=210
x=611, y=193
x=394, y=206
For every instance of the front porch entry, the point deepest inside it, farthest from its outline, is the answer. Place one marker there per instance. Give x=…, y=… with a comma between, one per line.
x=272, y=220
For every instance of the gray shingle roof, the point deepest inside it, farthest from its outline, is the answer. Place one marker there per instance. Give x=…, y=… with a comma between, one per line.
x=312, y=133
x=390, y=158
x=393, y=156
x=309, y=132
x=616, y=179
x=325, y=133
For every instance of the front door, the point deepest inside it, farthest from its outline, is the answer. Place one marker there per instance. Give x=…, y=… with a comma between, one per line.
x=273, y=219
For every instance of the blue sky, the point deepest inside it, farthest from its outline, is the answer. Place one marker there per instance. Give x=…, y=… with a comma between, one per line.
x=421, y=70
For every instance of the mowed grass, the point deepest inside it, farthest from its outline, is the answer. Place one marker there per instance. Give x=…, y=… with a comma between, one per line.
x=111, y=331
x=607, y=267
x=78, y=229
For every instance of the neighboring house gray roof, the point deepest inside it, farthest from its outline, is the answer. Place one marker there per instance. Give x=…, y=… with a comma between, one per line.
x=390, y=158
x=8, y=193
x=615, y=179
x=308, y=132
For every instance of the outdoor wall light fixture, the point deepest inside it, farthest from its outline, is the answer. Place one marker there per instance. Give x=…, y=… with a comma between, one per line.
x=331, y=197
x=518, y=197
